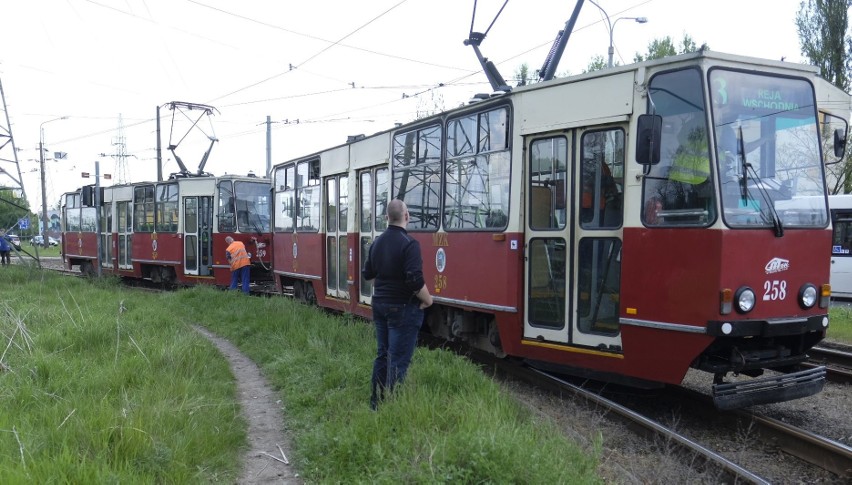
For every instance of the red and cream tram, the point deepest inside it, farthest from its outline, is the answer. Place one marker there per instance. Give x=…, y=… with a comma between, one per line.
x=171, y=231
x=625, y=224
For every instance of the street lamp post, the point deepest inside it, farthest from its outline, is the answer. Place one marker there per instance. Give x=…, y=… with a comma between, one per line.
x=611, y=28
x=44, y=217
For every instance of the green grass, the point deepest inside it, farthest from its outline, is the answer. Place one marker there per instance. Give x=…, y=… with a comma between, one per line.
x=840, y=324
x=94, y=394
x=104, y=384
x=28, y=250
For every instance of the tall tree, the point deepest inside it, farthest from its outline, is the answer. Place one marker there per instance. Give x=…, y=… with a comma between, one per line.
x=657, y=49
x=522, y=75
x=12, y=208
x=824, y=39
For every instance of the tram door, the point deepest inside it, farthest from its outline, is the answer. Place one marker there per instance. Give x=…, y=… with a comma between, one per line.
x=336, y=240
x=106, y=255
x=599, y=156
x=373, y=190
x=546, y=239
x=573, y=250
x=197, y=224
x=125, y=234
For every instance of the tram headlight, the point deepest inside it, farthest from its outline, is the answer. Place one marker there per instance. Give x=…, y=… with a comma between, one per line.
x=745, y=299
x=808, y=296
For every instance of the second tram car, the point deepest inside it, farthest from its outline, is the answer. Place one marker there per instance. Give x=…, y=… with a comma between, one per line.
x=171, y=231
x=626, y=224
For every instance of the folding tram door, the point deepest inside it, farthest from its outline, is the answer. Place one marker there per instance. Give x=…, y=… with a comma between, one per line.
x=336, y=240
x=573, y=249
x=125, y=233
x=197, y=235
x=373, y=190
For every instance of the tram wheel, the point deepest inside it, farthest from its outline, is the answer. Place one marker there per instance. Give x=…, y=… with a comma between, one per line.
x=310, y=294
x=87, y=269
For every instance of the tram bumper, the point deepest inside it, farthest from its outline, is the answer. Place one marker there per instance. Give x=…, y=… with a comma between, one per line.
x=767, y=327
x=771, y=389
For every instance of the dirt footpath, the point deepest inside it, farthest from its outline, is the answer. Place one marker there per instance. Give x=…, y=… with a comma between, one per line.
x=267, y=458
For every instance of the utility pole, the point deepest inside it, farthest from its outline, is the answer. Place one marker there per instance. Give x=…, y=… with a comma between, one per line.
x=6, y=132
x=98, y=202
x=268, y=146
x=45, y=219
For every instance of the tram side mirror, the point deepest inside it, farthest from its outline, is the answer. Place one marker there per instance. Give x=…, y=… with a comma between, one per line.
x=648, y=133
x=839, y=142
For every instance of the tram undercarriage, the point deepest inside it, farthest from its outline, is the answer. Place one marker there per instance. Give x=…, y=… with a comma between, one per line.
x=473, y=328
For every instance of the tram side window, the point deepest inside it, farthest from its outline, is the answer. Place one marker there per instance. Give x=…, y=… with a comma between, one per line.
x=679, y=190
x=308, y=192
x=382, y=199
x=226, y=211
x=366, y=196
x=143, y=208
x=166, y=212
x=331, y=209
x=123, y=218
x=285, y=198
x=478, y=171
x=548, y=176
x=602, y=179
x=88, y=218
x=842, y=243
x=417, y=175
x=106, y=217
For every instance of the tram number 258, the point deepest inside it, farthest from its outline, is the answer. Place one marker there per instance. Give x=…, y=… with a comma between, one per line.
x=774, y=290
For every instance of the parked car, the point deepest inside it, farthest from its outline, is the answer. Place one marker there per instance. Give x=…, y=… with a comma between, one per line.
x=15, y=240
x=39, y=241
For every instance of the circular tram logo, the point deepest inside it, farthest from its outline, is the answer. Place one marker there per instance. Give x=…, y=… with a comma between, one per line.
x=440, y=260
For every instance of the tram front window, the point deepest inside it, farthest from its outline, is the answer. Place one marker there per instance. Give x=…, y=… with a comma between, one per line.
x=768, y=150
x=679, y=190
x=253, y=206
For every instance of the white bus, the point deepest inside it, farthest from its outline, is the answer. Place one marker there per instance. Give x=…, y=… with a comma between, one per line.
x=841, y=246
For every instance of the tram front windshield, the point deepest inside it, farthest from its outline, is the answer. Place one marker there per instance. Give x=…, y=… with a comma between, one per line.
x=768, y=150
x=252, y=200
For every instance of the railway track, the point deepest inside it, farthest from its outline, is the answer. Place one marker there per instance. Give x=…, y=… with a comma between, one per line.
x=837, y=362
x=825, y=454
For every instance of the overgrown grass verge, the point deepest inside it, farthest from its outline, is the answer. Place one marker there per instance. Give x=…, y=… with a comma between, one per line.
x=101, y=385
x=104, y=384
x=840, y=327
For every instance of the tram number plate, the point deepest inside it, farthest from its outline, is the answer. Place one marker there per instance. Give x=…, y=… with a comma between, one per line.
x=774, y=290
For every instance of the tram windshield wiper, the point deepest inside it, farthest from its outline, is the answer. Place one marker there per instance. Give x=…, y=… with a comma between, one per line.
x=743, y=165
x=777, y=225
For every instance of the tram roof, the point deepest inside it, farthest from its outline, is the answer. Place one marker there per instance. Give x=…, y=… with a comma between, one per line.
x=702, y=57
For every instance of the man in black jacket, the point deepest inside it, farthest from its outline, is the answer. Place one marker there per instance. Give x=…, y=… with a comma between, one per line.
x=399, y=297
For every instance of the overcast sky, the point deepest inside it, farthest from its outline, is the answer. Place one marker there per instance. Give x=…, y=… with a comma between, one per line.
x=340, y=67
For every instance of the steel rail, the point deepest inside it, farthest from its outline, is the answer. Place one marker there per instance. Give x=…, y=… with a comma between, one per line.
x=736, y=472
x=814, y=449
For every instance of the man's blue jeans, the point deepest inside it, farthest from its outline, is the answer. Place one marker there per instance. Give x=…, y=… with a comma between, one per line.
x=397, y=326
x=241, y=275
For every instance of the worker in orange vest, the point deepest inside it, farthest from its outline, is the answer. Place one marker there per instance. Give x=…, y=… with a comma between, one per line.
x=240, y=265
